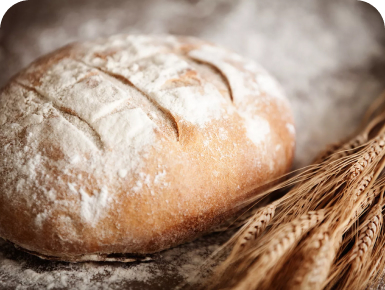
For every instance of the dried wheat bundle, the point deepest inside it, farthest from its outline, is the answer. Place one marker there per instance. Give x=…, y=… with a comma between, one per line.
x=272, y=248
x=326, y=231
x=347, y=272
x=309, y=265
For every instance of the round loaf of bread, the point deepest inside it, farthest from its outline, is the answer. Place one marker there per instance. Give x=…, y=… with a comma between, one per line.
x=135, y=144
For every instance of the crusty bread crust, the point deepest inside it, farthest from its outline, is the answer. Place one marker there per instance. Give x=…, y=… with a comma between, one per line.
x=135, y=144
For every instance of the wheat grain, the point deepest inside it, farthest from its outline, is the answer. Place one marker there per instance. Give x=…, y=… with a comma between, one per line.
x=375, y=264
x=373, y=153
x=256, y=225
x=371, y=274
x=348, y=272
x=276, y=246
x=290, y=233
x=367, y=237
x=248, y=233
x=364, y=204
x=362, y=186
x=318, y=253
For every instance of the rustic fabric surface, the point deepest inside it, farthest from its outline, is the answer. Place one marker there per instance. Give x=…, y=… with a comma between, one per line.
x=329, y=56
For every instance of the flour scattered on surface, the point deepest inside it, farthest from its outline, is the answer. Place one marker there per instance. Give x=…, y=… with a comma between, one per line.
x=181, y=264
x=22, y=274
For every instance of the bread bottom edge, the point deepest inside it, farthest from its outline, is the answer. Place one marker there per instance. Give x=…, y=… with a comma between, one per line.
x=95, y=257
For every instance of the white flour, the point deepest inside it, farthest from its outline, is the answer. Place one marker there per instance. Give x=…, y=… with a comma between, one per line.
x=171, y=268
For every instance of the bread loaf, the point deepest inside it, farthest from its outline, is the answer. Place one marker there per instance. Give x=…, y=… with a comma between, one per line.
x=135, y=144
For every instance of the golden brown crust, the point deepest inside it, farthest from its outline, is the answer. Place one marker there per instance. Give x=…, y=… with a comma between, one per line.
x=135, y=144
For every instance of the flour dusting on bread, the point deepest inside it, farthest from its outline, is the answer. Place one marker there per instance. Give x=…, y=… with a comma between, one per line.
x=134, y=144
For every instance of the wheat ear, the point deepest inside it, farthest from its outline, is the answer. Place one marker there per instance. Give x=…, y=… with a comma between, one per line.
x=374, y=264
x=348, y=273
x=366, y=239
x=373, y=272
x=362, y=186
x=344, y=271
x=350, y=232
x=273, y=247
x=319, y=250
x=318, y=253
x=364, y=203
x=375, y=152
x=245, y=237
x=254, y=227
x=365, y=193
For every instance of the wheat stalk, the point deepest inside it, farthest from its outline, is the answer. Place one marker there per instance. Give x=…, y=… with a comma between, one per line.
x=363, y=206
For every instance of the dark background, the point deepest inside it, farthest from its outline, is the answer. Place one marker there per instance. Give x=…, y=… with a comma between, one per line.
x=329, y=56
